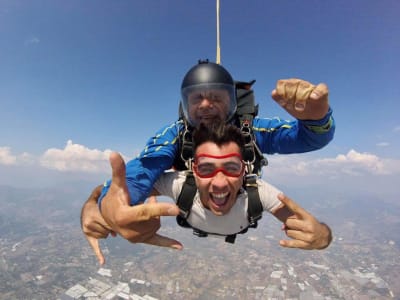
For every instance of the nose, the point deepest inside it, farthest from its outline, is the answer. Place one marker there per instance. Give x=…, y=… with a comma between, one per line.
x=219, y=180
x=206, y=102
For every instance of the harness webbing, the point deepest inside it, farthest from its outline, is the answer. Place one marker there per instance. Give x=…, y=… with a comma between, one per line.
x=185, y=199
x=255, y=208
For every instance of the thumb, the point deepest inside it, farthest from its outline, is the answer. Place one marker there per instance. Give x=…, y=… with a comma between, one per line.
x=293, y=206
x=94, y=243
x=289, y=203
x=118, y=169
x=321, y=91
x=118, y=187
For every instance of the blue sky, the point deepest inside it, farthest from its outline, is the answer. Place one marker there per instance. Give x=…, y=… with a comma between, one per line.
x=80, y=78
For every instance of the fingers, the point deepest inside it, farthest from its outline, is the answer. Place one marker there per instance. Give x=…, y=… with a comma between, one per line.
x=286, y=89
x=304, y=239
x=98, y=230
x=292, y=93
x=300, y=238
x=94, y=243
x=303, y=229
x=92, y=222
x=163, y=241
x=302, y=99
x=293, y=206
x=295, y=244
x=144, y=212
x=303, y=92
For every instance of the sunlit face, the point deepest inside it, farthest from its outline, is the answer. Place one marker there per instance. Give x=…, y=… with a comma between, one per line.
x=218, y=175
x=204, y=106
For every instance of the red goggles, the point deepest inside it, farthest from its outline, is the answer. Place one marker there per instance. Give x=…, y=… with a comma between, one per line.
x=207, y=166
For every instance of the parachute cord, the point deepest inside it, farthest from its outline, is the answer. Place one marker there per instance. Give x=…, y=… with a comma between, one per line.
x=218, y=37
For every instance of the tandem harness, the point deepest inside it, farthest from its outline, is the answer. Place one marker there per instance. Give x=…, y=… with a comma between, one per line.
x=253, y=158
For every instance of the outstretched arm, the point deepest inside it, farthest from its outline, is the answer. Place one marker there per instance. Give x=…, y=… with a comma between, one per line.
x=305, y=231
x=313, y=128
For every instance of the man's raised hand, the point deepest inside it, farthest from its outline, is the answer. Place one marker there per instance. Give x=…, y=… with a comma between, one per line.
x=303, y=229
x=139, y=223
x=93, y=225
x=302, y=99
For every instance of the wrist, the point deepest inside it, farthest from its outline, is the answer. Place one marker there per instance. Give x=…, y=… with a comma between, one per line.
x=320, y=126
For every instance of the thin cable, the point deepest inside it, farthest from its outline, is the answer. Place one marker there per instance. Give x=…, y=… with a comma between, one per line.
x=218, y=60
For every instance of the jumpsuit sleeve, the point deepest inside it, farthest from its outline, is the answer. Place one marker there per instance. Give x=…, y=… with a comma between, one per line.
x=298, y=136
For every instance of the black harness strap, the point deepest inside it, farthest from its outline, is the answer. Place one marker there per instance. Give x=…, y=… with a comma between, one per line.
x=255, y=208
x=246, y=111
x=185, y=199
x=228, y=238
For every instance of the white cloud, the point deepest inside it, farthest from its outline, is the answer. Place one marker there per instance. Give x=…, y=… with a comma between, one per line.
x=79, y=158
x=75, y=157
x=6, y=158
x=358, y=163
x=353, y=163
x=396, y=129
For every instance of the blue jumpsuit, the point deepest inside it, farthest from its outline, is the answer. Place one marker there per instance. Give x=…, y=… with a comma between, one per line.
x=272, y=136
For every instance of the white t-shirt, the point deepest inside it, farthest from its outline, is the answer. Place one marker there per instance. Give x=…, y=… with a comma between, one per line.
x=170, y=184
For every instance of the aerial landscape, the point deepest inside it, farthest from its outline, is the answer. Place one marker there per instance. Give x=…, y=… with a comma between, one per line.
x=43, y=255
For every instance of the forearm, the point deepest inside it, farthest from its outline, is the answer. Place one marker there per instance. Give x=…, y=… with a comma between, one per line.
x=285, y=137
x=318, y=133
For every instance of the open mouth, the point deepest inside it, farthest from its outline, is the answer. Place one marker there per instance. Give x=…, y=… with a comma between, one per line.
x=219, y=199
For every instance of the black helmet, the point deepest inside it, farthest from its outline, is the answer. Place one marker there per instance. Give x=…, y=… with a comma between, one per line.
x=204, y=76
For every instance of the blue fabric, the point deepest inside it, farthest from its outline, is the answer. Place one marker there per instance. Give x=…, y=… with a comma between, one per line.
x=272, y=136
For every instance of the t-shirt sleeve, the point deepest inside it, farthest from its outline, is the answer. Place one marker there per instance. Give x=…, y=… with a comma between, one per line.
x=170, y=184
x=268, y=195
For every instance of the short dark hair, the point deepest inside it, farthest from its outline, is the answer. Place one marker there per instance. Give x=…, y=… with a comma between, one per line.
x=219, y=133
